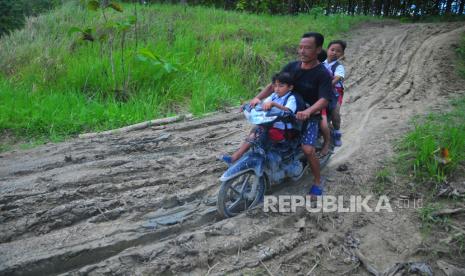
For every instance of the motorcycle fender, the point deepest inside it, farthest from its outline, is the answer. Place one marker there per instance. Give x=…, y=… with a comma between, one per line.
x=250, y=162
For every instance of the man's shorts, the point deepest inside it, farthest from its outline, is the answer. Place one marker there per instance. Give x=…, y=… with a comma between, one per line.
x=310, y=132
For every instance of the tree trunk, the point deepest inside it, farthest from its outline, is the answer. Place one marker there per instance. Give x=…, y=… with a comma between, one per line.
x=378, y=7
x=351, y=7
x=403, y=8
x=293, y=7
x=435, y=10
x=448, y=7
x=366, y=7
x=395, y=7
x=386, y=7
x=309, y=4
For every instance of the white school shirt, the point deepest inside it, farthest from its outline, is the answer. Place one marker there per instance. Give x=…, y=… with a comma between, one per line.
x=340, y=71
x=291, y=104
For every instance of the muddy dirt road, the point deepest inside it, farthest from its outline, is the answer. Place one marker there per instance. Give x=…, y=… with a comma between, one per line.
x=141, y=203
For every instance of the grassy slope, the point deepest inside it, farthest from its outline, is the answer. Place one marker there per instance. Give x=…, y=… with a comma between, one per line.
x=420, y=148
x=52, y=85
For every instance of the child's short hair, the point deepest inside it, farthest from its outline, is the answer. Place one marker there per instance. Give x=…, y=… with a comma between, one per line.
x=322, y=56
x=340, y=42
x=283, y=77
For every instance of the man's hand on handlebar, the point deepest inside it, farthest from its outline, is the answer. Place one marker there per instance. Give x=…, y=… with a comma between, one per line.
x=254, y=102
x=303, y=115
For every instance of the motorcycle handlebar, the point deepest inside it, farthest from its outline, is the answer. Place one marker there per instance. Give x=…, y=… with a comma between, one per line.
x=274, y=111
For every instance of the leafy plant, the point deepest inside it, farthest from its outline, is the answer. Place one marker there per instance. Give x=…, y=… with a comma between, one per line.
x=147, y=56
x=316, y=11
x=108, y=32
x=86, y=34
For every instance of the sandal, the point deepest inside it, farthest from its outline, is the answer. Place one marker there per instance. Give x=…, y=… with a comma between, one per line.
x=226, y=159
x=317, y=190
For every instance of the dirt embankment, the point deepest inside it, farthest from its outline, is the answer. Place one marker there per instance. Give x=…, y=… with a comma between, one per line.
x=140, y=203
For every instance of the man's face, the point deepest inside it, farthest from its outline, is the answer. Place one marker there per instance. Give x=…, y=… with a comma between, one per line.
x=308, y=51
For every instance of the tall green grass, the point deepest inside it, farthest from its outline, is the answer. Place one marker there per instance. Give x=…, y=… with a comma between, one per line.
x=54, y=85
x=461, y=58
x=420, y=149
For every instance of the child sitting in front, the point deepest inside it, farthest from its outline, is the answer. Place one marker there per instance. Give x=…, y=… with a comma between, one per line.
x=335, y=53
x=281, y=98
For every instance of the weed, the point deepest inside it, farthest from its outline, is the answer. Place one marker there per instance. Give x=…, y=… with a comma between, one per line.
x=428, y=220
x=383, y=177
x=434, y=148
x=460, y=242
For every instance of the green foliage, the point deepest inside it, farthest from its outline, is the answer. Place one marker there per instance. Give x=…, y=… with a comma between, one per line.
x=432, y=18
x=421, y=148
x=54, y=114
x=184, y=60
x=12, y=12
x=315, y=12
x=461, y=57
x=11, y=16
x=427, y=217
x=146, y=56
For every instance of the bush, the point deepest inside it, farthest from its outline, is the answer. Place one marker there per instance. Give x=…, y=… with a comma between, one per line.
x=12, y=12
x=11, y=16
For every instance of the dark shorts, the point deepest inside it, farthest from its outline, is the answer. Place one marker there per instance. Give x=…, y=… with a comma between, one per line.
x=310, y=132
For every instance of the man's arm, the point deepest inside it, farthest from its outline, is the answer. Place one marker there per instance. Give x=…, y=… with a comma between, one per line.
x=262, y=95
x=339, y=74
x=319, y=105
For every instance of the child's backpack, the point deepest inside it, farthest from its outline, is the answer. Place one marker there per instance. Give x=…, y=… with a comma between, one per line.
x=333, y=70
x=334, y=66
x=300, y=106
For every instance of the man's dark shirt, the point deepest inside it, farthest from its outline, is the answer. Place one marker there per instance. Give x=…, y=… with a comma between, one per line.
x=311, y=84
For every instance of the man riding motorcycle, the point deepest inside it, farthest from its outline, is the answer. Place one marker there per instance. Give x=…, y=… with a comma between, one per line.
x=313, y=84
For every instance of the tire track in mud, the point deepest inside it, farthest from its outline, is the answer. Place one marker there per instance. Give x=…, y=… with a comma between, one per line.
x=141, y=202
x=359, y=118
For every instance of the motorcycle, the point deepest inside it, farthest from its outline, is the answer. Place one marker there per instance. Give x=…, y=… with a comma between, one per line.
x=267, y=163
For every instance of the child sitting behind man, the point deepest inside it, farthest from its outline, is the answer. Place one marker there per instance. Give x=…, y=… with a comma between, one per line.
x=281, y=98
x=335, y=53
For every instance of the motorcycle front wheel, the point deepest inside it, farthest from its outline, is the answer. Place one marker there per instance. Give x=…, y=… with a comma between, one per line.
x=240, y=193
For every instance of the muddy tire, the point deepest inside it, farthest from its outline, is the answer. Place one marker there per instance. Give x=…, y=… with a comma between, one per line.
x=240, y=193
